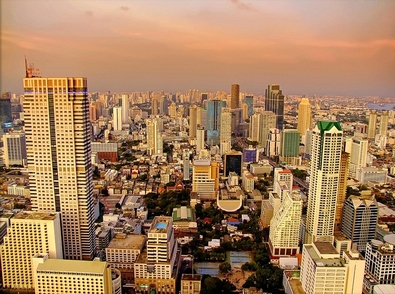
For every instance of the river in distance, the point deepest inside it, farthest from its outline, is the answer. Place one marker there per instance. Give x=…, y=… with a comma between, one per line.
x=381, y=106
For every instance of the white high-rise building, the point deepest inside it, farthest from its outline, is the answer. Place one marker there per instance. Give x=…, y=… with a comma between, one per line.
x=358, y=156
x=125, y=108
x=14, y=146
x=325, y=271
x=327, y=138
x=282, y=181
x=285, y=226
x=226, y=130
x=30, y=233
x=117, y=118
x=154, y=136
x=58, y=141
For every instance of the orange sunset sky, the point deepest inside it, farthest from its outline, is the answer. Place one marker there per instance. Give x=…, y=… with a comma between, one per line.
x=333, y=47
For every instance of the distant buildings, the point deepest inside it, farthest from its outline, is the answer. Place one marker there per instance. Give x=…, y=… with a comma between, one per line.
x=14, y=146
x=304, y=116
x=274, y=101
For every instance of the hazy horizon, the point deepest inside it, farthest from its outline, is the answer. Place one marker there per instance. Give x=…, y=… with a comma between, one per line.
x=339, y=48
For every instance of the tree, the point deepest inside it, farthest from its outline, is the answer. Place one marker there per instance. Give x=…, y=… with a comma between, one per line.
x=225, y=267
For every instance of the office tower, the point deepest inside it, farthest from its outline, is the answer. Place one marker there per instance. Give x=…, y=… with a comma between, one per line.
x=14, y=146
x=361, y=130
x=59, y=158
x=267, y=122
x=237, y=118
x=235, y=96
x=214, y=110
x=273, y=143
x=384, y=123
x=233, y=162
x=380, y=263
x=342, y=190
x=324, y=181
x=192, y=121
x=254, y=131
x=173, y=110
x=122, y=252
x=285, y=226
x=249, y=100
x=205, y=178
x=290, y=140
x=324, y=270
x=358, y=156
x=154, y=268
x=360, y=217
x=125, y=108
x=372, y=124
x=30, y=233
x=74, y=276
x=225, y=131
x=154, y=137
x=250, y=154
x=117, y=118
x=202, y=117
x=92, y=112
x=5, y=111
x=199, y=139
x=154, y=106
x=304, y=116
x=282, y=182
x=244, y=111
x=274, y=101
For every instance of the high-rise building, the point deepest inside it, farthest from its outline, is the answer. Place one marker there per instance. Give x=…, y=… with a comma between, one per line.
x=173, y=110
x=285, y=226
x=324, y=270
x=359, y=220
x=372, y=124
x=5, y=111
x=249, y=100
x=267, y=121
x=233, y=162
x=214, y=110
x=342, y=190
x=125, y=108
x=273, y=143
x=380, y=263
x=74, y=276
x=254, y=131
x=154, y=137
x=274, y=101
x=30, y=233
x=205, y=178
x=384, y=123
x=290, y=140
x=157, y=267
x=225, y=131
x=59, y=158
x=199, y=139
x=358, y=156
x=327, y=140
x=304, y=116
x=117, y=118
x=192, y=121
x=14, y=149
x=235, y=96
x=154, y=106
x=282, y=182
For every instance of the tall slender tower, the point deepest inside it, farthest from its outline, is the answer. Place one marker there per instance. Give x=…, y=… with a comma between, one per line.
x=235, y=96
x=384, y=123
x=225, y=131
x=327, y=139
x=125, y=108
x=342, y=191
x=304, y=116
x=59, y=157
x=117, y=118
x=372, y=124
x=192, y=121
x=274, y=101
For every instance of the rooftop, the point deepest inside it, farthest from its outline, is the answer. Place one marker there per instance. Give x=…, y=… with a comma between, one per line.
x=35, y=215
x=130, y=242
x=160, y=224
x=72, y=266
x=191, y=277
x=325, y=248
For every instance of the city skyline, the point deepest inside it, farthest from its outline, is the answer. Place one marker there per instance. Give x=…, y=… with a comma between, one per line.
x=322, y=48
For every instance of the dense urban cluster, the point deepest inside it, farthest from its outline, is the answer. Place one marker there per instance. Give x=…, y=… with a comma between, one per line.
x=195, y=192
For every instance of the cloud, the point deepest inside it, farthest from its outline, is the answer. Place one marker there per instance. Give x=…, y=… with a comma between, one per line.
x=241, y=5
x=89, y=13
x=124, y=8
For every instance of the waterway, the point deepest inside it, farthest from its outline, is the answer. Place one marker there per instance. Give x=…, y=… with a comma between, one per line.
x=380, y=106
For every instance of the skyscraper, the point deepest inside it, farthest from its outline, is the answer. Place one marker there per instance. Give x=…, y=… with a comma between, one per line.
x=342, y=190
x=304, y=116
x=290, y=140
x=359, y=220
x=225, y=131
x=274, y=101
x=358, y=156
x=14, y=149
x=235, y=96
x=249, y=100
x=154, y=137
x=59, y=158
x=192, y=121
x=125, y=108
x=214, y=110
x=327, y=139
x=5, y=111
x=117, y=118
x=372, y=124
x=384, y=123
x=154, y=105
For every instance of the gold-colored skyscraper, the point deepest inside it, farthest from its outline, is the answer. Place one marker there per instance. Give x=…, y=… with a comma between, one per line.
x=304, y=116
x=234, y=96
x=341, y=194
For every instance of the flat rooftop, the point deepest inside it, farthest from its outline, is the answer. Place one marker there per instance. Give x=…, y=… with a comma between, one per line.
x=72, y=266
x=35, y=215
x=160, y=224
x=190, y=277
x=130, y=242
x=325, y=248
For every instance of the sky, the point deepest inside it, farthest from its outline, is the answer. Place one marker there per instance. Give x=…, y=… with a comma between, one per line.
x=314, y=47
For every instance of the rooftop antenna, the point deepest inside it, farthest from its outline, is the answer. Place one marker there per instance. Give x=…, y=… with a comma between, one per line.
x=31, y=72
